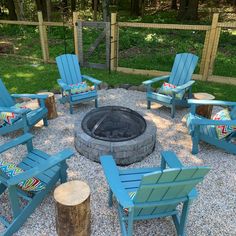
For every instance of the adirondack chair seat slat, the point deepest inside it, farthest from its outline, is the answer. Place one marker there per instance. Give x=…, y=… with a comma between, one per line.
x=69, y=69
x=86, y=95
x=204, y=129
x=38, y=164
x=154, y=194
x=26, y=121
x=180, y=76
x=160, y=97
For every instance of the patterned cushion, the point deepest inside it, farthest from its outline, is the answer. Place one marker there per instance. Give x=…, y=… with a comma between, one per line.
x=223, y=130
x=9, y=117
x=167, y=88
x=79, y=88
x=32, y=184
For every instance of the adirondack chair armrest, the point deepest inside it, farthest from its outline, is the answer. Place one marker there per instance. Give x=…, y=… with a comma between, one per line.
x=32, y=96
x=15, y=142
x=156, y=79
x=43, y=166
x=193, y=194
x=91, y=79
x=63, y=85
x=14, y=110
x=112, y=176
x=169, y=158
x=205, y=121
x=183, y=87
x=210, y=102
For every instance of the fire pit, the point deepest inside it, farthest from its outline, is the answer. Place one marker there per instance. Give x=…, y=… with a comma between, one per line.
x=115, y=130
x=113, y=123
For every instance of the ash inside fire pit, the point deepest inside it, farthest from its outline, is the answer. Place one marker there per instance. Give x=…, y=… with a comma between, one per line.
x=113, y=123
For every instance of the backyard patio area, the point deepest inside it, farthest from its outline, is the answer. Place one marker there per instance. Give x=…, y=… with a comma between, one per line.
x=212, y=213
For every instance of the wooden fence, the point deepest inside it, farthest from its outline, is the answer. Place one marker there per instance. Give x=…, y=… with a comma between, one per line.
x=209, y=52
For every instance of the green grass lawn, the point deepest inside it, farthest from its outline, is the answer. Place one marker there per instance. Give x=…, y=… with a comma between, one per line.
x=22, y=76
x=140, y=48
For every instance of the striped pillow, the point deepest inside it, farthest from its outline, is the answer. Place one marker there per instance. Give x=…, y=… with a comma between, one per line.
x=32, y=184
x=223, y=130
x=167, y=88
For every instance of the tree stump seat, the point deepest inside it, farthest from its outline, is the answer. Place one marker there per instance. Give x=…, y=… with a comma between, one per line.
x=204, y=110
x=72, y=209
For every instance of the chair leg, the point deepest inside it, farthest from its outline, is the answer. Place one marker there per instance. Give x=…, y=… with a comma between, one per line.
x=71, y=108
x=130, y=222
x=96, y=103
x=173, y=111
x=110, y=202
x=45, y=121
x=148, y=104
x=63, y=173
x=195, y=140
x=183, y=218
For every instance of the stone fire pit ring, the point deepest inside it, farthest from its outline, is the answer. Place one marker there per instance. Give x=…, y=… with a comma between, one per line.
x=124, y=152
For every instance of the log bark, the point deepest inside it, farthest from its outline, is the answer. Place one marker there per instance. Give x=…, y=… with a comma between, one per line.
x=73, y=209
x=11, y=9
x=50, y=103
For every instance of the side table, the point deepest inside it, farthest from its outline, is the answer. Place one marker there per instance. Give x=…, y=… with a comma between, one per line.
x=204, y=110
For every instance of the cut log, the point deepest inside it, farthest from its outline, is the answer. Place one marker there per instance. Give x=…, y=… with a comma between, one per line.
x=73, y=209
x=204, y=110
x=50, y=103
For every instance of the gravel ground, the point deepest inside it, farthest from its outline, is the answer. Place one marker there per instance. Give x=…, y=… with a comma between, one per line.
x=213, y=213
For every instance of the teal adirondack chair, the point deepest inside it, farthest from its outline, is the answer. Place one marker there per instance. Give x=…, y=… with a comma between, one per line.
x=28, y=118
x=181, y=75
x=147, y=193
x=69, y=69
x=48, y=169
x=201, y=128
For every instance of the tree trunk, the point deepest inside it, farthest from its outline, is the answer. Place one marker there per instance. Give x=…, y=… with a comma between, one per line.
x=137, y=7
x=48, y=4
x=188, y=10
x=73, y=5
x=105, y=10
x=174, y=4
x=11, y=9
x=19, y=9
x=95, y=9
x=41, y=6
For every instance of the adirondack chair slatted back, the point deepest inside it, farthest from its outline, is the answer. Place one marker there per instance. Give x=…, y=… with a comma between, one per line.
x=183, y=68
x=169, y=184
x=69, y=68
x=5, y=98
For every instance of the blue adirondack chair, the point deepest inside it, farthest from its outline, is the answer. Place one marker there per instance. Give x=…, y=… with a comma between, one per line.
x=48, y=169
x=69, y=69
x=28, y=118
x=201, y=128
x=181, y=75
x=147, y=193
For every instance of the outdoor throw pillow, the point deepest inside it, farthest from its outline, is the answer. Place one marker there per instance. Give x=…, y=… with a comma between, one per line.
x=33, y=184
x=167, y=88
x=223, y=130
x=10, y=117
x=82, y=87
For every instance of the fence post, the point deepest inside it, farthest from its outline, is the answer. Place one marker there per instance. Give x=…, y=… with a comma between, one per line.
x=214, y=50
x=43, y=38
x=210, y=46
x=113, y=55
x=75, y=18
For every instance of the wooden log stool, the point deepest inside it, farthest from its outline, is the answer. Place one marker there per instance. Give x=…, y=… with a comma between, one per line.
x=72, y=209
x=50, y=103
x=204, y=110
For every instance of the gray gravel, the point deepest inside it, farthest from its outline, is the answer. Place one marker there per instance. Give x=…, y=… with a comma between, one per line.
x=213, y=213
